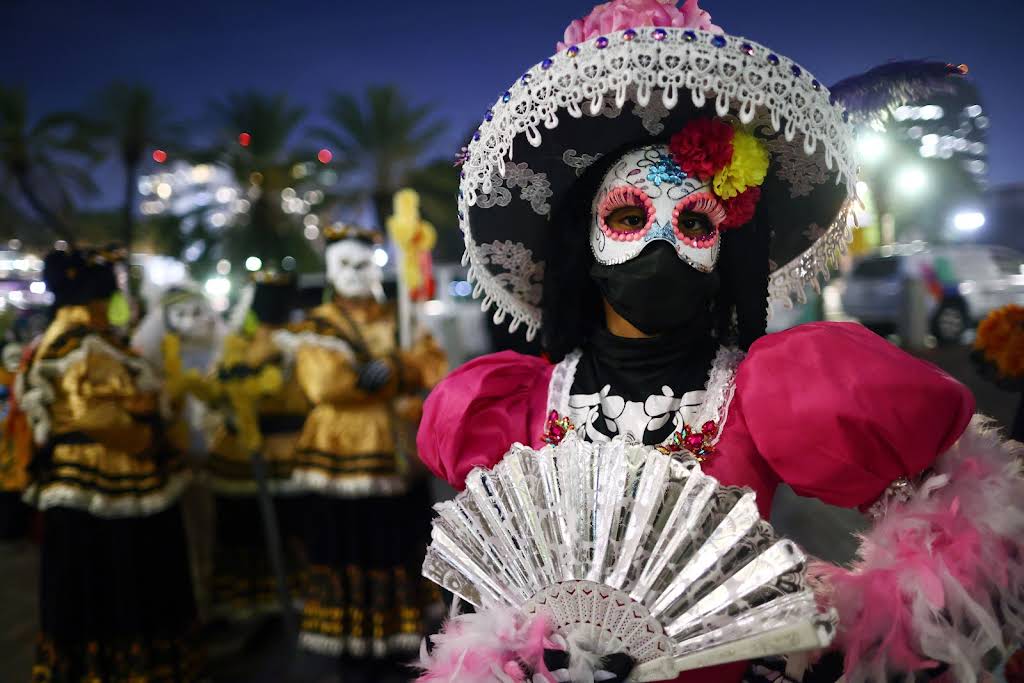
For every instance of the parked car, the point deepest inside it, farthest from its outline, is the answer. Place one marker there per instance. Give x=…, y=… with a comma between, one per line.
x=962, y=283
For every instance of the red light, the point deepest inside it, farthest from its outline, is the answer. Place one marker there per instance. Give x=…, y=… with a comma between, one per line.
x=159, y=156
x=244, y=139
x=324, y=156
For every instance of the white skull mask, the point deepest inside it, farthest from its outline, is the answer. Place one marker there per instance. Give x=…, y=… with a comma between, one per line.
x=644, y=197
x=192, y=318
x=352, y=270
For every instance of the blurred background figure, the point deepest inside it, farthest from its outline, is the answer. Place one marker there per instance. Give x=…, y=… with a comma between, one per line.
x=15, y=447
x=115, y=593
x=181, y=331
x=243, y=581
x=367, y=523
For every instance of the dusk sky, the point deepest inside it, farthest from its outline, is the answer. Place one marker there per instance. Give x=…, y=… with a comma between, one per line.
x=461, y=55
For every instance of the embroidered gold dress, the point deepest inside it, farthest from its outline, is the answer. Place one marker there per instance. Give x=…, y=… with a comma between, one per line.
x=367, y=524
x=115, y=591
x=243, y=584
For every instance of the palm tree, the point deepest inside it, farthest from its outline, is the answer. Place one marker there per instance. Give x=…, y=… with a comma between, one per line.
x=382, y=138
x=128, y=119
x=46, y=160
x=265, y=167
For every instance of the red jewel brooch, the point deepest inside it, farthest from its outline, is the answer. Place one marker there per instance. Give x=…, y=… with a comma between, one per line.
x=556, y=428
x=700, y=444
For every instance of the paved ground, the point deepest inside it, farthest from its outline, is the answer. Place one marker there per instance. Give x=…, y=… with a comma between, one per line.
x=824, y=531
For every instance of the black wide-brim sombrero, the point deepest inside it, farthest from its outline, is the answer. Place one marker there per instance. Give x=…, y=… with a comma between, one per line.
x=637, y=86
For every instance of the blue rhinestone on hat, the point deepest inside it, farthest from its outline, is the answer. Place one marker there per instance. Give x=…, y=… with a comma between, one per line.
x=773, y=59
x=628, y=34
x=659, y=34
x=747, y=48
x=506, y=97
x=546, y=64
x=601, y=43
x=718, y=41
x=573, y=51
x=796, y=70
x=689, y=36
x=666, y=170
x=489, y=115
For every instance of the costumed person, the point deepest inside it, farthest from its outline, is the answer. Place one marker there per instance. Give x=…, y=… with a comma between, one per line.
x=115, y=592
x=634, y=199
x=243, y=581
x=15, y=447
x=182, y=332
x=368, y=520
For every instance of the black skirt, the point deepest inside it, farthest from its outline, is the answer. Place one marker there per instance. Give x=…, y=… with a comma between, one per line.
x=116, y=600
x=365, y=597
x=243, y=583
x=15, y=516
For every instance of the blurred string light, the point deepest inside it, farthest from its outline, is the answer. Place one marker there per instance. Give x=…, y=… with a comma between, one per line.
x=244, y=139
x=217, y=286
x=194, y=251
x=253, y=263
x=204, y=193
x=311, y=232
x=460, y=288
x=37, y=287
x=159, y=156
x=951, y=132
x=968, y=221
x=324, y=156
x=380, y=257
x=288, y=263
x=911, y=180
x=223, y=267
x=871, y=147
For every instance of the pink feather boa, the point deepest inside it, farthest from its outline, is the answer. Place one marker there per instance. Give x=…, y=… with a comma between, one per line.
x=939, y=579
x=496, y=645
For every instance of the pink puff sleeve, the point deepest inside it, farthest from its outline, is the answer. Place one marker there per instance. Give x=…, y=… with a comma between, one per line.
x=476, y=413
x=840, y=413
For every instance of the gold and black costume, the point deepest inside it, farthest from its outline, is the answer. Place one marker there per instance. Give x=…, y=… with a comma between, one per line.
x=15, y=452
x=243, y=585
x=367, y=524
x=116, y=600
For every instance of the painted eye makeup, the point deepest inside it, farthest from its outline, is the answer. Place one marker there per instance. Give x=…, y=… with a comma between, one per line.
x=696, y=219
x=626, y=218
x=693, y=224
x=625, y=213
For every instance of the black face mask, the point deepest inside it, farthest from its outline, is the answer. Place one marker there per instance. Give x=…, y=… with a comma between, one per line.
x=656, y=291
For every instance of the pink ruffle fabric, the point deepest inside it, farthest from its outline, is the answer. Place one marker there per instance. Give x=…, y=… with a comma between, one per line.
x=474, y=416
x=839, y=413
x=490, y=646
x=940, y=578
x=618, y=15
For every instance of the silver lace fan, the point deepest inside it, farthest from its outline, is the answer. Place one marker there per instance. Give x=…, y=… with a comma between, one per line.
x=627, y=550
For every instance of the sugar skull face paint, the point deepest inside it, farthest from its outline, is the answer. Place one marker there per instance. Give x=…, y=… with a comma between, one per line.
x=645, y=197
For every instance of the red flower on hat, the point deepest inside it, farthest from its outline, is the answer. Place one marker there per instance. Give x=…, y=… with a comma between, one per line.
x=740, y=209
x=703, y=147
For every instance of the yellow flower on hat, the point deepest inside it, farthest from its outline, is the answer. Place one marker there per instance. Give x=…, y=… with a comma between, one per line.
x=748, y=167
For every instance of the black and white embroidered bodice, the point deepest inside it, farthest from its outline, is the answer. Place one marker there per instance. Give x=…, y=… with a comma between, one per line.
x=644, y=388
